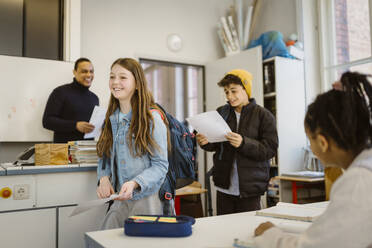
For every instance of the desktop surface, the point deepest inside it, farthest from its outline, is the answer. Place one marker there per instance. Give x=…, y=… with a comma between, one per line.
x=215, y=231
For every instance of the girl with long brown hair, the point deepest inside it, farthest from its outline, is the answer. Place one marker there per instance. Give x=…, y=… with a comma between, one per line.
x=132, y=146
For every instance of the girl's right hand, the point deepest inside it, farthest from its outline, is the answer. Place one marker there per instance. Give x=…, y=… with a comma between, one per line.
x=201, y=139
x=105, y=188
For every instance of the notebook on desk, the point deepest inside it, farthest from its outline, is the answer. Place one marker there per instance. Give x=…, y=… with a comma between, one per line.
x=305, y=174
x=292, y=211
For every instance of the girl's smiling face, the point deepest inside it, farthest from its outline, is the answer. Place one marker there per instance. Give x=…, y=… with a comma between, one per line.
x=122, y=83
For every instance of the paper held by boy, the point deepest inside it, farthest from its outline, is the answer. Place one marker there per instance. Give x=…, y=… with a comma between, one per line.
x=211, y=124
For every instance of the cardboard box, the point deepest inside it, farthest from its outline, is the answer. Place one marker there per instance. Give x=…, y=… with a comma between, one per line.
x=51, y=154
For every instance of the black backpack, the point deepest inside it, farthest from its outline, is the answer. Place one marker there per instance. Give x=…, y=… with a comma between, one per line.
x=181, y=158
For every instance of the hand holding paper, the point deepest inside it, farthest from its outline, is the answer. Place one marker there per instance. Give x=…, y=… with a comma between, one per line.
x=211, y=124
x=85, y=206
x=97, y=119
x=235, y=139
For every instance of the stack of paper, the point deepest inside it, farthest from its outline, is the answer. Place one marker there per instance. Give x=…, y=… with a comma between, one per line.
x=83, y=151
x=292, y=212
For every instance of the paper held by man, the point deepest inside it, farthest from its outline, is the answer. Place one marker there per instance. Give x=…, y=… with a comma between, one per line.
x=97, y=119
x=211, y=124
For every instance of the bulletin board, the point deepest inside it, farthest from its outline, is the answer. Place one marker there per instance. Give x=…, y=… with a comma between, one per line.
x=26, y=84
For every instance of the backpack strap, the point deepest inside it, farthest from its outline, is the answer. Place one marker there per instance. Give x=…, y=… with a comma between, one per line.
x=160, y=113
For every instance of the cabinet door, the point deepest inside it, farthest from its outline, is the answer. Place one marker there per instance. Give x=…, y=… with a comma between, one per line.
x=290, y=107
x=33, y=228
x=71, y=229
x=250, y=60
x=56, y=189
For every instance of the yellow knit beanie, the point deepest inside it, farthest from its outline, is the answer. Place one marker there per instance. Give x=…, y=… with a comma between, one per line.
x=246, y=79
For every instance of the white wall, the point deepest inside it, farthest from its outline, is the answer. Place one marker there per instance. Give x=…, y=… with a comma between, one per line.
x=124, y=28
x=299, y=17
x=276, y=15
x=311, y=49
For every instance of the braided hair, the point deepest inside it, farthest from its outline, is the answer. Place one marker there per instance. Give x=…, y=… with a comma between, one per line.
x=344, y=115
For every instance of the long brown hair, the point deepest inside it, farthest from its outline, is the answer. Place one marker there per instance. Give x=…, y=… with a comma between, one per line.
x=142, y=102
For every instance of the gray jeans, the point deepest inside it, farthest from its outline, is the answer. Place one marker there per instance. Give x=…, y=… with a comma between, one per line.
x=121, y=210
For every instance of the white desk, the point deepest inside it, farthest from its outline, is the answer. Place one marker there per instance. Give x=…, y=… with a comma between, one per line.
x=208, y=232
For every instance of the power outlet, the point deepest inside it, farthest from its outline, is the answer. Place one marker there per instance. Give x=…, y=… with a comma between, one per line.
x=21, y=192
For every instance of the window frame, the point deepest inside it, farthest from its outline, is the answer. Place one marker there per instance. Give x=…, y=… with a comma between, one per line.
x=328, y=55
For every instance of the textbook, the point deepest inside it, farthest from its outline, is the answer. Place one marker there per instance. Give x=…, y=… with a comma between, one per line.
x=292, y=212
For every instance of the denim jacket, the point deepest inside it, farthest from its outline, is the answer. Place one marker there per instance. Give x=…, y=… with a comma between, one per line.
x=148, y=171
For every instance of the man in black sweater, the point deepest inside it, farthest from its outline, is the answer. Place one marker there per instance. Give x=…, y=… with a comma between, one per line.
x=70, y=106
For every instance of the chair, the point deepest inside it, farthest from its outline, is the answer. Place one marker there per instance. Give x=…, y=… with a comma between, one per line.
x=330, y=176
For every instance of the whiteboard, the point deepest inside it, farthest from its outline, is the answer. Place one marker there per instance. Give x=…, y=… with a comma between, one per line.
x=25, y=87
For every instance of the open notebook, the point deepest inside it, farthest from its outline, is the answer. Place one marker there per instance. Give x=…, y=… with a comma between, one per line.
x=293, y=211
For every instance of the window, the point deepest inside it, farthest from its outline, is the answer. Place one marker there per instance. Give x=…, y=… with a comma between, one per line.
x=32, y=28
x=345, y=27
x=177, y=87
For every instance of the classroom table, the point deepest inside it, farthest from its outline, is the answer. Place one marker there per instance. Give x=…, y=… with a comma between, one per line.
x=307, y=182
x=216, y=231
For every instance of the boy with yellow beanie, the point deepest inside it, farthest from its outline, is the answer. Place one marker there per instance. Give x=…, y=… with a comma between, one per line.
x=241, y=164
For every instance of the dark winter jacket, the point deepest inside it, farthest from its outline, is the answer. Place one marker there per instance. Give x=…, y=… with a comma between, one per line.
x=67, y=105
x=260, y=142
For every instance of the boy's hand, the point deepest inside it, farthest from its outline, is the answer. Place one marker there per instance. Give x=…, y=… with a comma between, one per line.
x=201, y=139
x=234, y=139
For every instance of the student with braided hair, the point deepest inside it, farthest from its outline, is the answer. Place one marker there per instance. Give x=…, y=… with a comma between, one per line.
x=339, y=127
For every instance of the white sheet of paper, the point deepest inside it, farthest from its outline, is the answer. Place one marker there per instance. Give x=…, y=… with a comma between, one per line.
x=85, y=206
x=97, y=119
x=211, y=124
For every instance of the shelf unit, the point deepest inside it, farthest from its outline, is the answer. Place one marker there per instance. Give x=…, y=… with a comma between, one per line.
x=284, y=96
